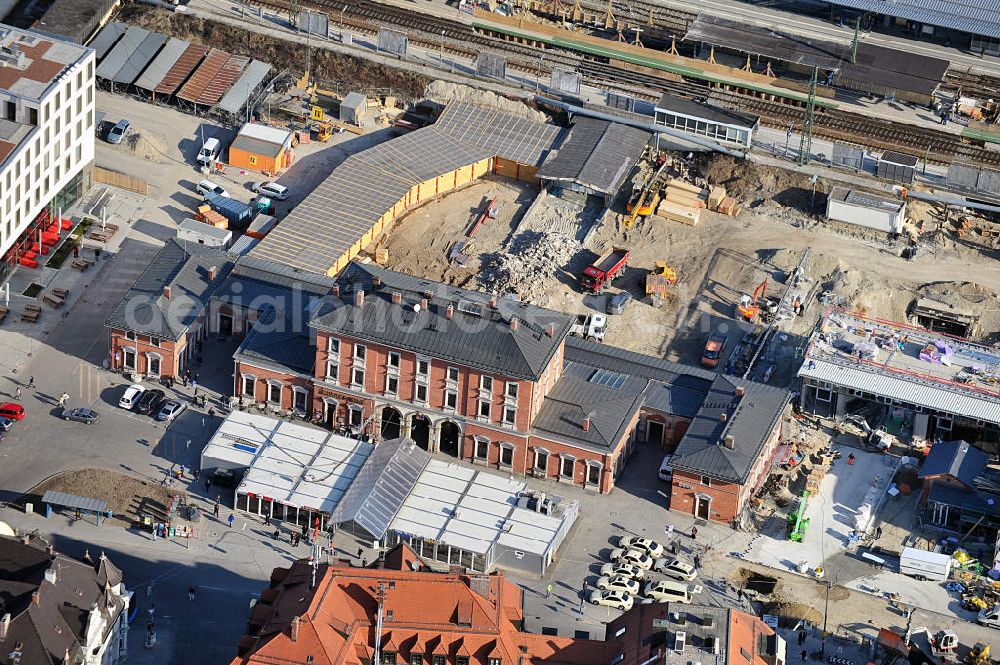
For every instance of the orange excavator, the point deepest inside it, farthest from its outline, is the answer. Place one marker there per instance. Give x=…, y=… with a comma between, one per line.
x=750, y=308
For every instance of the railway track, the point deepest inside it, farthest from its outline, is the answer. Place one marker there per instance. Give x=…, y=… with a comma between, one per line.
x=457, y=37
x=981, y=86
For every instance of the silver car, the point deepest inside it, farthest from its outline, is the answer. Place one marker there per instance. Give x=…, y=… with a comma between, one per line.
x=81, y=415
x=171, y=409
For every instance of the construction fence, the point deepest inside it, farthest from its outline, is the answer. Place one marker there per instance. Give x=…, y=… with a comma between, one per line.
x=120, y=180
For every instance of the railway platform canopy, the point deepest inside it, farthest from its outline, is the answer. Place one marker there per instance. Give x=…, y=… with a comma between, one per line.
x=876, y=69
x=724, y=125
x=980, y=18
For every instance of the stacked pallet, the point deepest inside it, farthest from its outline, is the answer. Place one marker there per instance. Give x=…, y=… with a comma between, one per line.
x=209, y=216
x=682, y=202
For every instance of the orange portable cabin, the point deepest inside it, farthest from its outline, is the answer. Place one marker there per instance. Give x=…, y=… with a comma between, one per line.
x=261, y=148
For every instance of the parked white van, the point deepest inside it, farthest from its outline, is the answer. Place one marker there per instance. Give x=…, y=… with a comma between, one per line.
x=209, y=152
x=666, y=472
x=206, y=187
x=668, y=591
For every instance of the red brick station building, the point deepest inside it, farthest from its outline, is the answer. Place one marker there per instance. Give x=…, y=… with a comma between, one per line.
x=492, y=381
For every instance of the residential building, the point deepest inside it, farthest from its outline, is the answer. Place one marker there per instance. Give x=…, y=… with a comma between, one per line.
x=46, y=134
x=680, y=634
x=402, y=613
x=58, y=609
x=158, y=327
x=487, y=380
x=934, y=385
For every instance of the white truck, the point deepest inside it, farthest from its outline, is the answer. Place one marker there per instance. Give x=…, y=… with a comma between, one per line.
x=590, y=326
x=924, y=565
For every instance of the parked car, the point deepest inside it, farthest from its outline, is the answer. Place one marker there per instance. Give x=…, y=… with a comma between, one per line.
x=618, y=303
x=170, y=409
x=12, y=411
x=634, y=557
x=675, y=568
x=619, y=583
x=666, y=472
x=5, y=424
x=81, y=415
x=150, y=401
x=668, y=591
x=206, y=187
x=650, y=547
x=622, y=569
x=131, y=396
x=271, y=190
x=117, y=133
x=713, y=349
x=616, y=599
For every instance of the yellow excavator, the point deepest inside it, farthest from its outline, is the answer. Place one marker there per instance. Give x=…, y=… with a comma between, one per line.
x=979, y=655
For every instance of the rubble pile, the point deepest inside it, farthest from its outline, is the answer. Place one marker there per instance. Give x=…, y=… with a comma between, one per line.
x=528, y=266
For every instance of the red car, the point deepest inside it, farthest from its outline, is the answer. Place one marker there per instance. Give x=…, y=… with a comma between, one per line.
x=12, y=410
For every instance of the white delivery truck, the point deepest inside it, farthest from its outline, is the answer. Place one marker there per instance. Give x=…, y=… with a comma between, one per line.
x=925, y=565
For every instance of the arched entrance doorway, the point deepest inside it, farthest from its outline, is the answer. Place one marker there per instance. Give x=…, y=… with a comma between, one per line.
x=450, y=439
x=391, y=420
x=420, y=430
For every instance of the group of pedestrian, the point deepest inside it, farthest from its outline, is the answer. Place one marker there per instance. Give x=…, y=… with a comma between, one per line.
x=64, y=399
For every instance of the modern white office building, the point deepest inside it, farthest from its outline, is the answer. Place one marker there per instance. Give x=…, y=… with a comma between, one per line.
x=46, y=133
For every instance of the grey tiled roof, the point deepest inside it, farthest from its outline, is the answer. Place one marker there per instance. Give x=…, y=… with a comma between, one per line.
x=575, y=398
x=957, y=459
x=275, y=343
x=145, y=310
x=749, y=420
x=977, y=17
x=596, y=154
x=485, y=342
x=256, y=283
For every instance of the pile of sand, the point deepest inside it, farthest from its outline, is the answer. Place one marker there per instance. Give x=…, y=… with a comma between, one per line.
x=444, y=92
x=148, y=146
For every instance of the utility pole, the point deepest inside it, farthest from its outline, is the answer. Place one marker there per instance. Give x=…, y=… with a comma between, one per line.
x=805, y=145
x=854, y=43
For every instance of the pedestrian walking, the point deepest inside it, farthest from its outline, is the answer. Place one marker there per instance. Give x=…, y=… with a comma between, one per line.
x=697, y=561
x=232, y=518
x=76, y=251
x=215, y=511
x=180, y=472
x=190, y=593
x=63, y=399
x=208, y=483
x=802, y=637
x=694, y=533
x=17, y=393
x=31, y=383
x=295, y=539
x=804, y=654
x=361, y=552
x=97, y=253
x=850, y=459
x=197, y=377
x=548, y=589
x=277, y=534
x=151, y=611
x=184, y=380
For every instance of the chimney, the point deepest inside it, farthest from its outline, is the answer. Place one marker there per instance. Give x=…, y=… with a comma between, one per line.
x=376, y=282
x=729, y=442
x=4, y=625
x=493, y=302
x=166, y=292
x=359, y=298
x=723, y=417
x=50, y=576
x=36, y=598
x=550, y=330
x=740, y=392
x=513, y=323
x=336, y=290
x=212, y=273
x=397, y=297
x=25, y=539
x=51, y=551
x=586, y=424
x=294, y=629
x=449, y=312
x=428, y=294
x=424, y=303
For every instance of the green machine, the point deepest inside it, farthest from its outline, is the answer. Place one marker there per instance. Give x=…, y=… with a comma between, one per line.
x=797, y=520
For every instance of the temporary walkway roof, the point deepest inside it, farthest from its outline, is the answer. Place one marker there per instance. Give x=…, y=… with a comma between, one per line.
x=73, y=501
x=181, y=69
x=122, y=51
x=234, y=100
x=292, y=464
x=346, y=207
x=162, y=63
x=106, y=38
x=137, y=62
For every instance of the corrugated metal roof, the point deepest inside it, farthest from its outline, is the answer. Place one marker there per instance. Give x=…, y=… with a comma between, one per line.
x=977, y=17
x=939, y=398
x=121, y=52
x=202, y=77
x=502, y=134
x=181, y=69
x=162, y=63
x=234, y=100
x=596, y=154
x=381, y=487
x=107, y=38
x=224, y=80
x=243, y=245
x=74, y=501
x=137, y=62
